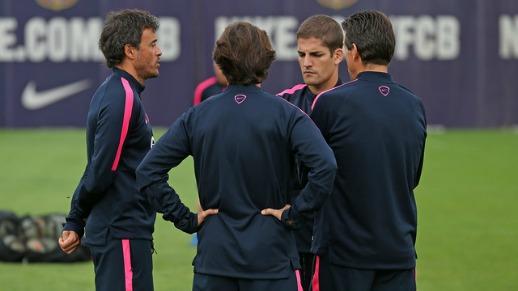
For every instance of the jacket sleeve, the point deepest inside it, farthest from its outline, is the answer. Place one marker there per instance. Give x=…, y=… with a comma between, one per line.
x=152, y=176
x=313, y=152
x=113, y=121
x=75, y=220
x=421, y=160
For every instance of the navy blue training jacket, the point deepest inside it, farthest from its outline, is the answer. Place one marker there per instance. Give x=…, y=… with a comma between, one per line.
x=377, y=130
x=244, y=142
x=118, y=136
x=300, y=96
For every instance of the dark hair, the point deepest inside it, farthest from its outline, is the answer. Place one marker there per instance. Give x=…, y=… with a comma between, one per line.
x=324, y=28
x=244, y=53
x=373, y=35
x=121, y=28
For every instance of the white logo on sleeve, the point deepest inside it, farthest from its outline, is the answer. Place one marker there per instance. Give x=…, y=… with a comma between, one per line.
x=32, y=99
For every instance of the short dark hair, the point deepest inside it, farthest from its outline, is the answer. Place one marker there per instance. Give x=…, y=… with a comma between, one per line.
x=373, y=35
x=244, y=53
x=121, y=28
x=324, y=28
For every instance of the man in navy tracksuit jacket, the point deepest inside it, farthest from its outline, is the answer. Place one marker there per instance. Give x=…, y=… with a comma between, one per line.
x=244, y=142
x=320, y=50
x=377, y=130
x=119, y=220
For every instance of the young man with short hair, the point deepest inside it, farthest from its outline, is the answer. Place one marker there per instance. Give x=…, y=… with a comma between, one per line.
x=320, y=49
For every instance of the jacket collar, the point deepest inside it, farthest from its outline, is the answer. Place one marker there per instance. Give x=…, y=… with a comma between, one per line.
x=134, y=83
x=374, y=76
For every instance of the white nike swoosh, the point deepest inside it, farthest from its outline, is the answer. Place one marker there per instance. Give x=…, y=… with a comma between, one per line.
x=32, y=99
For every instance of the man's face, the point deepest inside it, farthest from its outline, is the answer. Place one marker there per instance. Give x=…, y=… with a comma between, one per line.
x=148, y=55
x=317, y=63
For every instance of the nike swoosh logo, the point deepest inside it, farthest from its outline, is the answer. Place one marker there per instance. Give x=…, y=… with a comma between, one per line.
x=33, y=100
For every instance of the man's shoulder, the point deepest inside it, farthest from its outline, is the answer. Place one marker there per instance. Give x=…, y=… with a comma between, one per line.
x=113, y=84
x=289, y=108
x=113, y=91
x=297, y=89
x=206, y=89
x=407, y=91
x=336, y=92
x=206, y=83
x=344, y=87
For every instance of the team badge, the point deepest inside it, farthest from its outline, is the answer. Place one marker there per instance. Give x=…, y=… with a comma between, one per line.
x=337, y=4
x=56, y=5
x=384, y=90
x=240, y=98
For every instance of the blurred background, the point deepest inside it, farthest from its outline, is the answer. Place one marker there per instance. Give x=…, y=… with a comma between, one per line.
x=460, y=57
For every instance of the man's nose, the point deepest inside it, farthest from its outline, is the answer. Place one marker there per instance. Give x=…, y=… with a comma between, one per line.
x=307, y=61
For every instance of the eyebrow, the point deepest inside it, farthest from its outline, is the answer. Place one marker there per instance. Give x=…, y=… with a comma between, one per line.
x=311, y=52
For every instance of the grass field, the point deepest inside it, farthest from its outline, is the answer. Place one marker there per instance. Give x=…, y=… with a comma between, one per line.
x=468, y=225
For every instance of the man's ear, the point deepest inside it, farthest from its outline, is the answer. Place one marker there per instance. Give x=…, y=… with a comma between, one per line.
x=130, y=51
x=355, y=53
x=338, y=55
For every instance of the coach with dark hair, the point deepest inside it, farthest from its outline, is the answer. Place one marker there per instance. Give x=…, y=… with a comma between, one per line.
x=119, y=221
x=377, y=130
x=244, y=142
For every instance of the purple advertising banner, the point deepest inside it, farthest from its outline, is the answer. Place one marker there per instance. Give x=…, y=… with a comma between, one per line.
x=460, y=57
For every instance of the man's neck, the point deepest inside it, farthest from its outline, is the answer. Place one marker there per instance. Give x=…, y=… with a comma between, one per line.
x=130, y=70
x=374, y=68
x=368, y=68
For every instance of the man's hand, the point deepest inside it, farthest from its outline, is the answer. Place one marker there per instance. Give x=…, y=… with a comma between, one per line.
x=275, y=212
x=204, y=214
x=69, y=241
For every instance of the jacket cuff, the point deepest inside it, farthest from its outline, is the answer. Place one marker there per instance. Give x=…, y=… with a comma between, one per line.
x=189, y=224
x=289, y=218
x=75, y=225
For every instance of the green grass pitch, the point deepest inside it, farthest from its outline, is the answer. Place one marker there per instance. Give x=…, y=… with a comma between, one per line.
x=467, y=199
